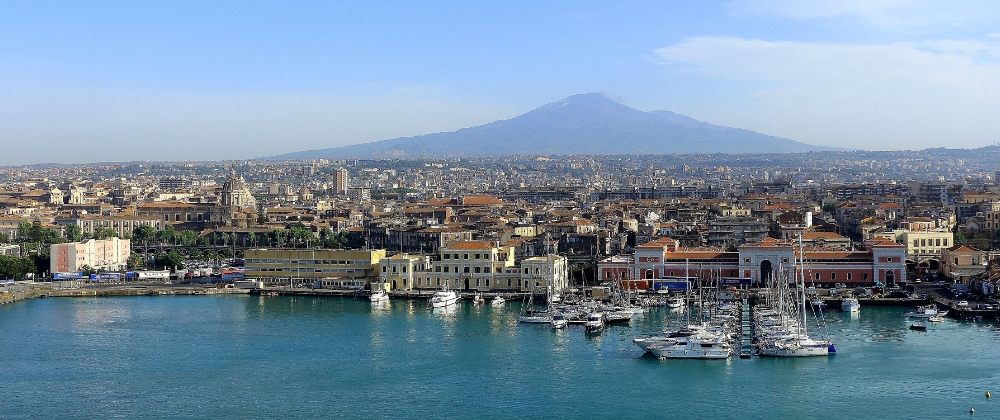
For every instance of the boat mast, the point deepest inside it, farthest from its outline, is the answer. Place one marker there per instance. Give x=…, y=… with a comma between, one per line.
x=802, y=273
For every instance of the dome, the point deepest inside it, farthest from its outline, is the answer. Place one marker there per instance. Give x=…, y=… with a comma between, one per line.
x=234, y=183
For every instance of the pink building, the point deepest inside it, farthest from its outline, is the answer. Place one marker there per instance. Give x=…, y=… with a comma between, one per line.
x=110, y=255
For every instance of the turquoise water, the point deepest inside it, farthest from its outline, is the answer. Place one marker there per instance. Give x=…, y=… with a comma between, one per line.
x=281, y=357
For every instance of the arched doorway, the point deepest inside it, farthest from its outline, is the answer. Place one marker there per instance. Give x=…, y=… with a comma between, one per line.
x=466, y=284
x=765, y=271
x=890, y=277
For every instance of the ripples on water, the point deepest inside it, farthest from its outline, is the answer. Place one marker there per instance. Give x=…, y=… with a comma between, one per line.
x=254, y=357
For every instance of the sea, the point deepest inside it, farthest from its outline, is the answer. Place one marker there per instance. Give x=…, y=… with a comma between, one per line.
x=240, y=357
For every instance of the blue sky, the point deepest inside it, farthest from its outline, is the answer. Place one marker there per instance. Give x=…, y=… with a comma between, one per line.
x=112, y=81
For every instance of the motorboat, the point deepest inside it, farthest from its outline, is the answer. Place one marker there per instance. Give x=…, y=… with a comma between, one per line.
x=936, y=319
x=795, y=347
x=850, y=304
x=675, y=302
x=478, y=299
x=595, y=322
x=559, y=321
x=498, y=301
x=694, y=347
x=918, y=327
x=926, y=311
x=443, y=298
x=817, y=303
x=379, y=296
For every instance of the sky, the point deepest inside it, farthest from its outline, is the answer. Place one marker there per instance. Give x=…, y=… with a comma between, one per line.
x=101, y=81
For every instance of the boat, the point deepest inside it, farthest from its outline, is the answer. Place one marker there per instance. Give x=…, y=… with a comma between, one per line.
x=379, y=296
x=850, y=304
x=443, y=298
x=675, y=302
x=694, y=347
x=927, y=311
x=936, y=319
x=817, y=303
x=918, y=327
x=498, y=301
x=559, y=321
x=478, y=299
x=595, y=322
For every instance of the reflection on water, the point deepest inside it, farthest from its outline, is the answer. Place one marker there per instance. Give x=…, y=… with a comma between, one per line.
x=169, y=357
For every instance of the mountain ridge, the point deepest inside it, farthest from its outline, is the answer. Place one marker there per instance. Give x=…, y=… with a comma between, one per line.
x=587, y=123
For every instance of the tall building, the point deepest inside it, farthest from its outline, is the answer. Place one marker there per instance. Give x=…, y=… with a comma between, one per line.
x=110, y=254
x=340, y=183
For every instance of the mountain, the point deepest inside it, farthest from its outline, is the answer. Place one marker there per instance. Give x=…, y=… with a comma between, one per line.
x=580, y=124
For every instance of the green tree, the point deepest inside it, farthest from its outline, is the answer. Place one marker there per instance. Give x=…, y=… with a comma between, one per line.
x=87, y=270
x=12, y=267
x=261, y=213
x=144, y=234
x=195, y=254
x=4, y=238
x=960, y=238
x=73, y=232
x=188, y=237
x=135, y=261
x=169, y=260
x=252, y=239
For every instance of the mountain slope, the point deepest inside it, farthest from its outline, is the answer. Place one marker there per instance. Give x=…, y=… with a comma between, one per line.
x=580, y=124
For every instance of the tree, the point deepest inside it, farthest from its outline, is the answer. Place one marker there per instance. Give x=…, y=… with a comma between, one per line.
x=188, y=237
x=4, y=238
x=143, y=234
x=252, y=238
x=195, y=254
x=87, y=270
x=169, y=260
x=261, y=213
x=135, y=261
x=960, y=238
x=12, y=267
x=73, y=232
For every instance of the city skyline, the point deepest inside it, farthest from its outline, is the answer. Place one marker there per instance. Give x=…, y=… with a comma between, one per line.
x=185, y=81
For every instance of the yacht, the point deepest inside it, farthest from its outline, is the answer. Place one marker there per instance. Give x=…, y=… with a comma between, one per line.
x=379, y=296
x=595, y=322
x=443, y=298
x=559, y=321
x=801, y=347
x=675, y=302
x=850, y=304
x=926, y=311
x=693, y=347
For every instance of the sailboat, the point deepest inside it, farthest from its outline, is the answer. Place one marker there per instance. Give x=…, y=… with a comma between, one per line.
x=796, y=343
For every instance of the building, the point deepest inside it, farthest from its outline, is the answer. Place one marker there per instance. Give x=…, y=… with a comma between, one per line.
x=10, y=249
x=105, y=255
x=122, y=225
x=757, y=264
x=305, y=266
x=961, y=263
x=476, y=266
x=340, y=181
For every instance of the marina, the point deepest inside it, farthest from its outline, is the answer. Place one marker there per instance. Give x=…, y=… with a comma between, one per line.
x=206, y=356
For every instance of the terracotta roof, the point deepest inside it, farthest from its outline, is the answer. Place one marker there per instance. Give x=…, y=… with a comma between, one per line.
x=472, y=246
x=824, y=235
x=480, y=200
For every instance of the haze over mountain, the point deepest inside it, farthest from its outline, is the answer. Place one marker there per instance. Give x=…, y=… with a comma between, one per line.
x=580, y=124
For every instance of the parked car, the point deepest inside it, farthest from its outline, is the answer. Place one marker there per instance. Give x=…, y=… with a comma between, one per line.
x=962, y=303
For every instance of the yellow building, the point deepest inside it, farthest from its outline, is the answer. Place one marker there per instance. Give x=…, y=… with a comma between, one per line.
x=304, y=266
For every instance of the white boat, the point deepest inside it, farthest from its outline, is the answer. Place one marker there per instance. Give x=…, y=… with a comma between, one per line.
x=675, y=302
x=498, y=301
x=379, y=296
x=926, y=311
x=850, y=304
x=936, y=319
x=804, y=347
x=559, y=321
x=478, y=299
x=535, y=318
x=443, y=298
x=817, y=303
x=595, y=322
x=694, y=347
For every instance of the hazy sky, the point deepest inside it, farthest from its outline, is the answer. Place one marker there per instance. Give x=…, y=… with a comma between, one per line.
x=172, y=80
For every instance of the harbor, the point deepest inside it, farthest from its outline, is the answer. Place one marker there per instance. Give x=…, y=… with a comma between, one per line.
x=198, y=356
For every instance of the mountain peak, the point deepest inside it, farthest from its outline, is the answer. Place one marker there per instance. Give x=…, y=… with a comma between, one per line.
x=588, y=123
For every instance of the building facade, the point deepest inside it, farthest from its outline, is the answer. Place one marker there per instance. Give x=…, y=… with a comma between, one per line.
x=105, y=255
x=301, y=266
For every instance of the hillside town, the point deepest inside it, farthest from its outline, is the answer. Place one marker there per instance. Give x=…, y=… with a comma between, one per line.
x=512, y=224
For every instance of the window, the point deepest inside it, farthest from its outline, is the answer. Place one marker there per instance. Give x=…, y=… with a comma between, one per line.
x=477, y=256
x=487, y=282
x=446, y=269
x=486, y=269
x=508, y=282
x=848, y=276
x=446, y=256
x=477, y=269
x=477, y=282
x=466, y=269
x=833, y=276
x=937, y=242
x=404, y=268
x=817, y=276
x=465, y=256
x=864, y=276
